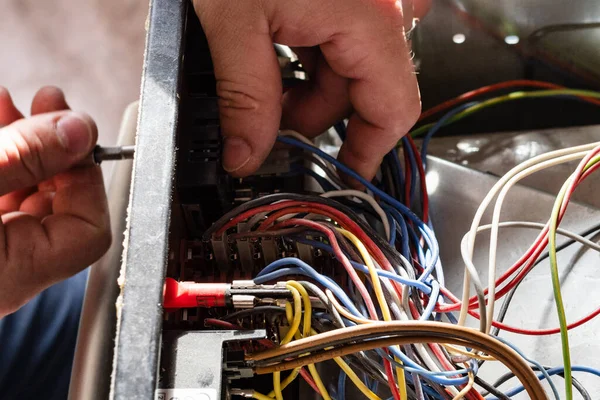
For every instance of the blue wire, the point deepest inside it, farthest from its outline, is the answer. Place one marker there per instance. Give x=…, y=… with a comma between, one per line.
x=374, y=386
x=551, y=372
x=398, y=165
x=428, y=390
x=415, y=239
x=423, y=287
x=405, y=245
x=438, y=125
x=428, y=234
x=409, y=366
x=341, y=387
x=324, y=183
x=413, y=168
x=267, y=275
x=270, y=273
x=540, y=367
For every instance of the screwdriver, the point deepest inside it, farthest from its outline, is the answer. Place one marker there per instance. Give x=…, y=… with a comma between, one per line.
x=117, y=153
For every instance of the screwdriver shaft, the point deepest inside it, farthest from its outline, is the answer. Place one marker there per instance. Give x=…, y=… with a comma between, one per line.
x=113, y=153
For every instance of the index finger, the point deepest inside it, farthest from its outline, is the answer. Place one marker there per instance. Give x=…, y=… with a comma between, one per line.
x=383, y=87
x=249, y=84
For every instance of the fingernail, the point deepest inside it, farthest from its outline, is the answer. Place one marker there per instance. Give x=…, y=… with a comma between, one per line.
x=74, y=133
x=236, y=154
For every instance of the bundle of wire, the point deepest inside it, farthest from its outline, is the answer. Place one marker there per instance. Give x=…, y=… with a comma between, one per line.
x=389, y=320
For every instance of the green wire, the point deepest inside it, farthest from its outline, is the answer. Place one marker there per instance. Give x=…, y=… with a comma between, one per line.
x=564, y=334
x=506, y=98
x=560, y=308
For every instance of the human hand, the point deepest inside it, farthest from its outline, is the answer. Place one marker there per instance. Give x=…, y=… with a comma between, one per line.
x=53, y=210
x=356, y=56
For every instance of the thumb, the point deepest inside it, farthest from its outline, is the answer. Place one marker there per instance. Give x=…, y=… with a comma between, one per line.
x=248, y=80
x=37, y=148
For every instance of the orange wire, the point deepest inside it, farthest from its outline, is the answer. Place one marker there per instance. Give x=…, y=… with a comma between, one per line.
x=491, y=88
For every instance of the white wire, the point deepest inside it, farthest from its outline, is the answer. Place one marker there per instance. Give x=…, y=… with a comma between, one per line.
x=470, y=270
x=369, y=199
x=496, y=220
x=540, y=226
x=305, y=140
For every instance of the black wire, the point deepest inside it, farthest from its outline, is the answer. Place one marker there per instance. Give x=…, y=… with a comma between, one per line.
x=366, y=337
x=490, y=389
x=254, y=311
x=576, y=384
x=509, y=297
x=391, y=254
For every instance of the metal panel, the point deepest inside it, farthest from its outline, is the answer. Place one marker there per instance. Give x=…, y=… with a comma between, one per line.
x=146, y=246
x=565, y=32
x=455, y=194
x=497, y=153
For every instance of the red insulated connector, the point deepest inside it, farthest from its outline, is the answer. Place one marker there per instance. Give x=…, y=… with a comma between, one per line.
x=192, y=294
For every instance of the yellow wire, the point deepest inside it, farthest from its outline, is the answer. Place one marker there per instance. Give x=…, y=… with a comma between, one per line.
x=295, y=317
x=458, y=350
x=318, y=381
x=385, y=311
x=356, y=380
x=467, y=388
x=259, y=396
x=307, y=306
x=306, y=331
x=345, y=313
x=289, y=379
x=300, y=297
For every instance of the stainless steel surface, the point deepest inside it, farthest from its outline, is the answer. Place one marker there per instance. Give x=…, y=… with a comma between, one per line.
x=517, y=18
x=92, y=365
x=455, y=194
x=497, y=153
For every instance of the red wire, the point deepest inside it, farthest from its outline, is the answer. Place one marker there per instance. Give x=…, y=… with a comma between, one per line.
x=346, y=222
x=491, y=88
x=534, y=251
x=407, y=177
x=390, y=375
x=353, y=275
x=338, y=253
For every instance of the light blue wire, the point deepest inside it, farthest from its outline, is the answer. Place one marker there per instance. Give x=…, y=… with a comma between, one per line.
x=541, y=368
x=271, y=273
x=433, y=298
x=423, y=287
x=439, y=270
x=427, y=233
x=550, y=372
x=323, y=280
x=410, y=366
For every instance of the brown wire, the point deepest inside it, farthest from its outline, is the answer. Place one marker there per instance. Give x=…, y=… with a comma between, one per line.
x=413, y=332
